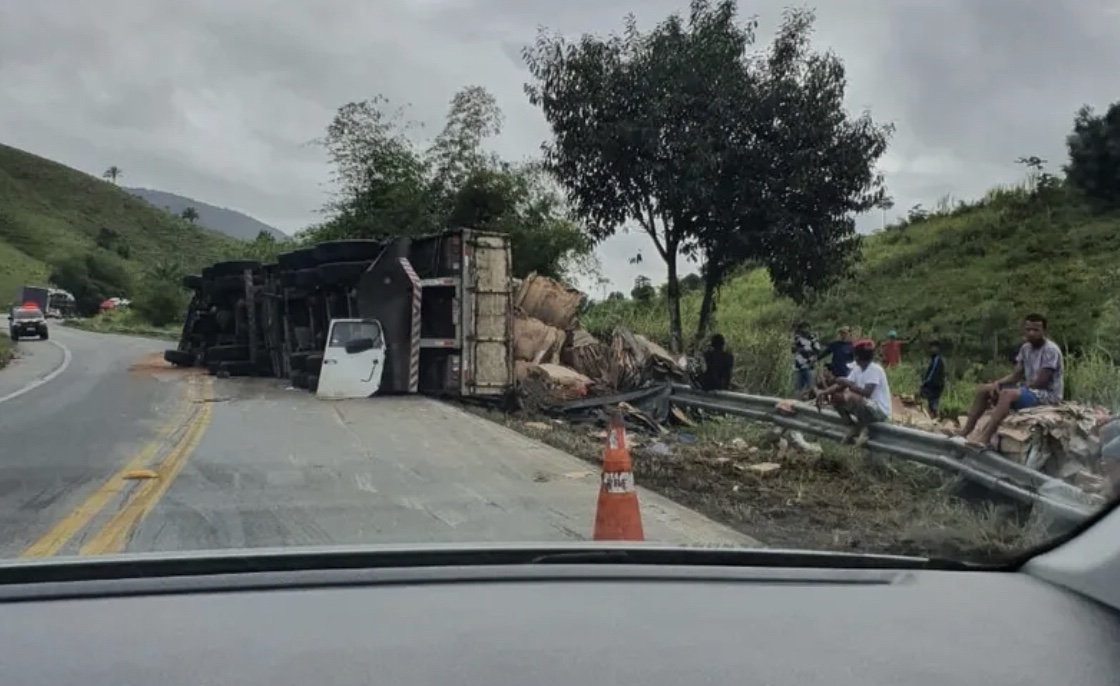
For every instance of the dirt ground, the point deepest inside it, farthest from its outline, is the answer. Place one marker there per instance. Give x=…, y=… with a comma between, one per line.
x=748, y=476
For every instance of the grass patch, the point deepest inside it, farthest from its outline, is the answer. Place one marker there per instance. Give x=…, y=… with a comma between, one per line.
x=7, y=350
x=125, y=322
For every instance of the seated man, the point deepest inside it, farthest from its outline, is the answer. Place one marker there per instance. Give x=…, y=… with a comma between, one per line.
x=864, y=396
x=1039, y=364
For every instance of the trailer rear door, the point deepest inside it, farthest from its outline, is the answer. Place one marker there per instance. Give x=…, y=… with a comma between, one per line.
x=487, y=315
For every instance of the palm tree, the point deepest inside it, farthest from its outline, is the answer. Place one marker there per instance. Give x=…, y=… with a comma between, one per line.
x=113, y=173
x=190, y=214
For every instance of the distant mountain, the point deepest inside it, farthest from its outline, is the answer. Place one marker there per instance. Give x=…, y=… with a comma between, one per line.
x=229, y=222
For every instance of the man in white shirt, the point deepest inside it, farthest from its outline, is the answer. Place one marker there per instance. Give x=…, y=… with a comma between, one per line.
x=864, y=396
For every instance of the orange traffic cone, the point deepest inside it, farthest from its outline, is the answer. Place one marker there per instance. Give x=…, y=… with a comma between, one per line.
x=617, y=517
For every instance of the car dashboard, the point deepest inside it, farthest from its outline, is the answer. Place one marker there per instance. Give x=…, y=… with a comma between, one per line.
x=500, y=625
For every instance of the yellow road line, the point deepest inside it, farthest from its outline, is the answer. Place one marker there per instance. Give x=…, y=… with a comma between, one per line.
x=80, y=517
x=113, y=537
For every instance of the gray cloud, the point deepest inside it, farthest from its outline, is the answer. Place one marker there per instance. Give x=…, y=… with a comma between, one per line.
x=216, y=99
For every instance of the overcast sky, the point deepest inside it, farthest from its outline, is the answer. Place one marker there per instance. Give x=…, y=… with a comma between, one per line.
x=216, y=99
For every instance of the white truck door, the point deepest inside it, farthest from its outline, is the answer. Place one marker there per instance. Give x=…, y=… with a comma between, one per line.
x=353, y=360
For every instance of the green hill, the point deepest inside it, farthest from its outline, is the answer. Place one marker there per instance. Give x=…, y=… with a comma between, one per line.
x=966, y=275
x=49, y=211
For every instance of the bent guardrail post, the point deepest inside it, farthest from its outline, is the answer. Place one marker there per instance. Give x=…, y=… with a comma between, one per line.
x=1061, y=500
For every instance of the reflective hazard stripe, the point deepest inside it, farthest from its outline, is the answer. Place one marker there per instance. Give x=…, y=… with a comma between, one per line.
x=414, y=349
x=618, y=482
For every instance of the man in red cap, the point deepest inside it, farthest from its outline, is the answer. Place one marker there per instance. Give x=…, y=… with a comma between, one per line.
x=864, y=396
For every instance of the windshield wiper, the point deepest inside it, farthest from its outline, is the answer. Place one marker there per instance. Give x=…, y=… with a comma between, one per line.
x=336, y=558
x=751, y=557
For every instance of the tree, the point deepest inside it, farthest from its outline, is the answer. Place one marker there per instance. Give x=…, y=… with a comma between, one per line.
x=1094, y=154
x=643, y=290
x=92, y=277
x=387, y=186
x=725, y=165
x=190, y=214
x=112, y=173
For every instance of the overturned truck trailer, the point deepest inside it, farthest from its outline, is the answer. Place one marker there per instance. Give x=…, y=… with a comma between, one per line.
x=430, y=314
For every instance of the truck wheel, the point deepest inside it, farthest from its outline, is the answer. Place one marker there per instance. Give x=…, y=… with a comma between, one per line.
x=313, y=382
x=306, y=278
x=296, y=259
x=345, y=273
x=234, y=268
x=179, y=358
x=299, y=379
x=347, y=251
x=12, y=335
x=228, y=284
x=44, y=336
x=227, y=353
x=313, y=364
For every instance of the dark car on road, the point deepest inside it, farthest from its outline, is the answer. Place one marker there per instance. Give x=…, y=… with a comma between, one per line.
x=27, y=321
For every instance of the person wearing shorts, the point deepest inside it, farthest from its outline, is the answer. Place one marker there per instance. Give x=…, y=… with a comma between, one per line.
x=1037, y=379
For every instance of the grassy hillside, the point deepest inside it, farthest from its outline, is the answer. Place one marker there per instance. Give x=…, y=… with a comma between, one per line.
x=49, y=211
x=966, y=275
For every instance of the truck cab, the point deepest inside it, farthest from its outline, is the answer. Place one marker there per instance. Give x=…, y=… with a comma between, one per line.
x=27, y=320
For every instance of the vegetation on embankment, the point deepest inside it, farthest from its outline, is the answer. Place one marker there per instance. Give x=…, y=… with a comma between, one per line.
x=126, y=321
x=52, y=217
x=7, y=350
x=965, y=275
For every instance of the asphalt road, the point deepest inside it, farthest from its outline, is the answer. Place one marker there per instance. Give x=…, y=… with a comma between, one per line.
x=104, y=449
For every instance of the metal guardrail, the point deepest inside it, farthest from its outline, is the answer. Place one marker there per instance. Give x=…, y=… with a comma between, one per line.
x=1060, y=500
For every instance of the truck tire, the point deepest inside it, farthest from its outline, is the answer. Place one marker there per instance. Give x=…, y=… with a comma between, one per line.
x=296, y=259
x=234, y=268
x=45, y=335
x=179, y=358
x=347, y=251
x=207, y=273
x=312, y=382
x=344, y=273
x=228, y=284
x=299, y=379
x=313, y=364
x=306, y=278
x=213, y=367
x=227, y=353
x=192, y=282
x=13, y=335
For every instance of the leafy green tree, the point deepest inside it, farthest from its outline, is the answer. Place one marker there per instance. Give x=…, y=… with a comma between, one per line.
x=643, y=290
x=387, y=186
x=701, y=144
x=92, y=277
x=112, y=173
x=1094, y=154
x=190, y=214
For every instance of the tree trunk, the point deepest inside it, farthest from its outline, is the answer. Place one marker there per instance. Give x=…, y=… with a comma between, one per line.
x=707, y=306
x=673, y=295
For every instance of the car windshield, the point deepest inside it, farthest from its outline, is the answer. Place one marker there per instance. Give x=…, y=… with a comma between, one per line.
x=827, y=281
